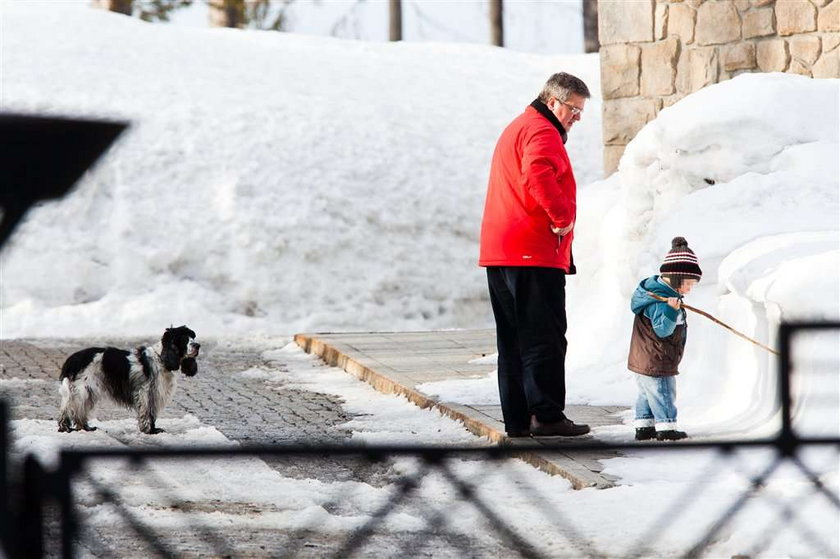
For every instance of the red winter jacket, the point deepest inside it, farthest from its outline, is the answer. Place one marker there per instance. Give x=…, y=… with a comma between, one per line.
x=531, y=188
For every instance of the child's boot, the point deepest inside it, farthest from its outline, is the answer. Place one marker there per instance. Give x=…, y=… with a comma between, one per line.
x=645, y=433
x=671, y=435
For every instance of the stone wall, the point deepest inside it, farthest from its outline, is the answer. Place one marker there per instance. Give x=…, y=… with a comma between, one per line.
x=654, y=52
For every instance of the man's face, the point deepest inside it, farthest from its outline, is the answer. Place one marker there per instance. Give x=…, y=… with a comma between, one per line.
x=569, y=111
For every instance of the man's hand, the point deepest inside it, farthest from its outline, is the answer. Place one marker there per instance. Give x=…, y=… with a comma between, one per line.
x=674, y=303
x=563, y=231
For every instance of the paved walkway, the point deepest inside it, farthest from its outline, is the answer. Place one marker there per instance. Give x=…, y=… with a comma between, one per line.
x=401, y=362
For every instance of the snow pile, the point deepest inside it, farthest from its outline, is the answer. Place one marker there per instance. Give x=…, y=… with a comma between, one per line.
x=733, y=163
x=753, y=186
x=270, y=182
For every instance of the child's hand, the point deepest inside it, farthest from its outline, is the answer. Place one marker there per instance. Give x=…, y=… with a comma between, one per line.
x=674, y=303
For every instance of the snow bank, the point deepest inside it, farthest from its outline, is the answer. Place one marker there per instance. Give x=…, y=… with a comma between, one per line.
x=270, y=182
x=753, y=186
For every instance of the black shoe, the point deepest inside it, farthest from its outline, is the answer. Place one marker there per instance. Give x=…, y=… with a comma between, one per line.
x=645, y=433
x=563, y=428
x=671, y=435
x=518, y=433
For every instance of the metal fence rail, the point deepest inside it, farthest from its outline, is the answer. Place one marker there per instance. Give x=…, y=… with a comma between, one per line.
x=440, y=500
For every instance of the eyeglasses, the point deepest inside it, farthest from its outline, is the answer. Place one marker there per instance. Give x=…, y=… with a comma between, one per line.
x=575, y=110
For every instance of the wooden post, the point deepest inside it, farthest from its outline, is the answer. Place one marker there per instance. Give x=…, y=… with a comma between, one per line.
x=119, y=6
x=590, y=26
x=497, y=30
x=227, y=13
x=395, y=20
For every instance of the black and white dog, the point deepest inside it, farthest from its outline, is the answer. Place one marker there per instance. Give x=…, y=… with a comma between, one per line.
x=142, y=379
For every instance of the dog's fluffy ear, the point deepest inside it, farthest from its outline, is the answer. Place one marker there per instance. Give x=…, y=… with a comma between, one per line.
x=171, y=358
x=169, y=352
x=189, y=366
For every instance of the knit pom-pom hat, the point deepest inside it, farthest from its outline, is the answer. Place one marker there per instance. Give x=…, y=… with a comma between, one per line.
x=681, y=261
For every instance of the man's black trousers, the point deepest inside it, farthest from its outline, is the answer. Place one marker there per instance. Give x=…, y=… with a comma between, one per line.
x=529, y=305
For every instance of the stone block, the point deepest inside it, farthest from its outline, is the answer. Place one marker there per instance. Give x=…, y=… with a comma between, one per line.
x=738, y=56
x=820, y=3
x=742, y=5
x=683, y=82
x=681, y=20
x=795, y=16
x=623, y=118
x=718, y=22
x=805, y=48
x=798, y=67
x=772, y=55
x=620, y=68
x=738, y=73
x=830, y=41
x=828, y=65
x=829, y=17
x=670, y=100
x=625, y=22
x=761, y=3
x=659, y=67
x=696, y=69
x=758, y=23
x=660, y=21
x=612, y=156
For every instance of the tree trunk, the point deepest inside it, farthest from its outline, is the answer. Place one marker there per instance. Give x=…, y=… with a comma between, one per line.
x=395, y=20
x=590, y=26
x=497, y=30
x=227, y=13
x=119, y=6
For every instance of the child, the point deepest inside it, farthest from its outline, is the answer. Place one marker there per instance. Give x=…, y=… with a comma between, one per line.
x=656, y=348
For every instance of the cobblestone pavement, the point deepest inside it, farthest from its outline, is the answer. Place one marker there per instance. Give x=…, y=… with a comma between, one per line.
x=241, y=408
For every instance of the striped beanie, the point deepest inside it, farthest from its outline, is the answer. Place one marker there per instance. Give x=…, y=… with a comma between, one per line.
x=681, y=261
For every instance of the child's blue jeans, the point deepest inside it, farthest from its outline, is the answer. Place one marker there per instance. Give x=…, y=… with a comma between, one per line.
x=655, y=404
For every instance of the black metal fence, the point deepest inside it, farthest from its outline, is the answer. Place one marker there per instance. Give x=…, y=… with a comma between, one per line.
x=433, y=501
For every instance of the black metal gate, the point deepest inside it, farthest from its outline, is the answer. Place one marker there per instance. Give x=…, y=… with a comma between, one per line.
x=41, y=516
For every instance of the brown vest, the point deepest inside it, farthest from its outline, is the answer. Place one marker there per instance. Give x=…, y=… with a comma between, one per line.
x=654, y=356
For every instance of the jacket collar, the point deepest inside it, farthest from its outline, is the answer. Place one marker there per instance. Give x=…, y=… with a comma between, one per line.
x=668, y=287
x=544, y=110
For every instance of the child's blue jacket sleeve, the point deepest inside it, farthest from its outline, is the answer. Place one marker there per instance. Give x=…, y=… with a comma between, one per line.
x=663, y=318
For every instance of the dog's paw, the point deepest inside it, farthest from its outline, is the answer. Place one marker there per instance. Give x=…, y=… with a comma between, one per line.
x=87, y=427
x=189, y=366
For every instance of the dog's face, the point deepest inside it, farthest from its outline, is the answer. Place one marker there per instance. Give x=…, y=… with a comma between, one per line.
x=179, y=350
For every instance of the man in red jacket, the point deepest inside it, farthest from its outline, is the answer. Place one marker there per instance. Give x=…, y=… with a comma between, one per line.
x=526, y=246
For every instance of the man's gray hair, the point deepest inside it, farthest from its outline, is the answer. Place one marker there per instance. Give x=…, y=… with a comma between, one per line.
x=561, y=85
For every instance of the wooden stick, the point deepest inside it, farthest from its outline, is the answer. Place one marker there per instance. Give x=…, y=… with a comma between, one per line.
x=713, y=319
